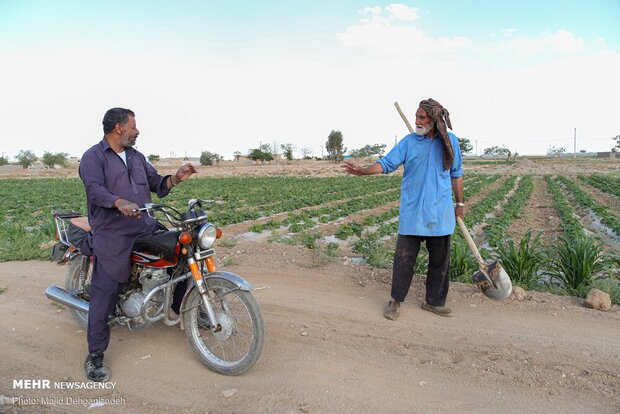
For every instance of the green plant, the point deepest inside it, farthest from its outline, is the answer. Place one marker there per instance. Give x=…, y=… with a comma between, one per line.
x=523, y=261
x=2, y=290
x=228, y=243
x=462, y=262
x=229, y=261
x=331, y=249
x=574, y=262
x=610, y=286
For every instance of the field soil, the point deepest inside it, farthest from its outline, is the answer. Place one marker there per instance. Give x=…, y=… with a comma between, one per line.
x=328, y=348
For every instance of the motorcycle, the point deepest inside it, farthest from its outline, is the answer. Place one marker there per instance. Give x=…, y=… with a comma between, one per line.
x=220, y=316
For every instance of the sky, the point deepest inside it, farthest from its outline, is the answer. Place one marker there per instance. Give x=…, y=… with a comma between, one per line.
x=229, y=76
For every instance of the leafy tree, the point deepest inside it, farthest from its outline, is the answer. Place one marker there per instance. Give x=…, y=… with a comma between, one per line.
x=306, y=153
x=368, y=151
x=258, y=154
x=497, y=151
x=465, y=145
x=617, y=139
x=59, y=158
x=554, y=151
x=4, y=160
x=26, y=158
x=208, y=158
x=287, y=151
x=153, y=158
x=237, y=155
x=334, y=146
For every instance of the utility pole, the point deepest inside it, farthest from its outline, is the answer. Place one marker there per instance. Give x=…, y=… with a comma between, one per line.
x=476, y=148
x=575, y=144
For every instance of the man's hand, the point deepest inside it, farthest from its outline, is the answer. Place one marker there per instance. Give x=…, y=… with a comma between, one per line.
x=459, y=212
x=127, y=208
x=183, y=174
x=351, y=168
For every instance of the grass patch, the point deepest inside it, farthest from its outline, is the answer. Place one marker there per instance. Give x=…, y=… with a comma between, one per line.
x=229, y=261
x=228, y=243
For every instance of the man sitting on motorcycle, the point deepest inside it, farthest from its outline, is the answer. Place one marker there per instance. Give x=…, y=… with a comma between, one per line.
x=118, y=180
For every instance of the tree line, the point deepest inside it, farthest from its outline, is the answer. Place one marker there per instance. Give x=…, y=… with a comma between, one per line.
x=266, y=152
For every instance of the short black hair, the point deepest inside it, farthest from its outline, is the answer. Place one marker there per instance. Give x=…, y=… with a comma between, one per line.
x=115, y=116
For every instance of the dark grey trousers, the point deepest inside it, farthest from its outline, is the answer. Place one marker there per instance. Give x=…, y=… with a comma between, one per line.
x=438, y=275
x=103, y=293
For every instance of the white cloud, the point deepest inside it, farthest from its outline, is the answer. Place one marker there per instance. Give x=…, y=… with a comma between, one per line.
x=381, y=33
x=401, y=11
x=371, y=10
x=561, y=41
x=508, y=32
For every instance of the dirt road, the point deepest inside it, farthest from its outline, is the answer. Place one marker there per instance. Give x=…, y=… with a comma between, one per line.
x=328, y=349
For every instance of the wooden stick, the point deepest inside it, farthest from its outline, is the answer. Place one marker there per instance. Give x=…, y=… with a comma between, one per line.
x=402, y=115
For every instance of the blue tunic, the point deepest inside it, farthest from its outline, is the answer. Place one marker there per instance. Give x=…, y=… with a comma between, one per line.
x=106, y=178
x=426, y=207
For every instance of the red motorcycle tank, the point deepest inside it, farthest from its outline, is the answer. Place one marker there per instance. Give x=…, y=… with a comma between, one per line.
x=157, y=250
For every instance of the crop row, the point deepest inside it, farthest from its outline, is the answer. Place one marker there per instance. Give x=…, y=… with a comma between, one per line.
x=570, y=225
x=587, y=202
x=496, y=226
x=604, y=183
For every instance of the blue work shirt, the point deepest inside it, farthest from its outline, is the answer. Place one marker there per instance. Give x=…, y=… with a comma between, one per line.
x=106, y=178
x=426, y=207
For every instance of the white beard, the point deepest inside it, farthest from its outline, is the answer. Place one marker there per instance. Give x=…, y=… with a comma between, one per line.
x=422, y=130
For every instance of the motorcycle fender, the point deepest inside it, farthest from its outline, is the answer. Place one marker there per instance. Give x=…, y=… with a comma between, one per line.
x=237, y=280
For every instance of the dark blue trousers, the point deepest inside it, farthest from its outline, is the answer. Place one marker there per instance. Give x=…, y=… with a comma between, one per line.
x=103, y=293
x=438, y=275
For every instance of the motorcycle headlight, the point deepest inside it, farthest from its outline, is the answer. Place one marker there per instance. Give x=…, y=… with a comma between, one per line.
x=207, y=235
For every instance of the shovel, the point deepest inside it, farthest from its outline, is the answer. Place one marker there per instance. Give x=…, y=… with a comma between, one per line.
x=492, y=279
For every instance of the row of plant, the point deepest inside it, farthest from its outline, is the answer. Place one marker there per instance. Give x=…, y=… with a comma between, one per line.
x=495, y=228
x=570, y=225
x=272, y=195
x=605, y=183
x=476, y=213
x=308, y=218
x=585, y=201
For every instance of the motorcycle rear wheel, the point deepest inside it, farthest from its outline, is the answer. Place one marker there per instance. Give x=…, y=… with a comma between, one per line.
x=234, y=349
x=72, y=285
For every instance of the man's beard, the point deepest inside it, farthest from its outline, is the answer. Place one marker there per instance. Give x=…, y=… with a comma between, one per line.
x=127, y=142
x=423, y=130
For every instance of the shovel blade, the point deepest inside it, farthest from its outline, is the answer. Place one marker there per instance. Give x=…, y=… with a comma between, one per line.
x=500, y=289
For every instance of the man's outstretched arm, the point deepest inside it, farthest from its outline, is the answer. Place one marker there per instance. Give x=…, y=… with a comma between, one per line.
x=373, y=169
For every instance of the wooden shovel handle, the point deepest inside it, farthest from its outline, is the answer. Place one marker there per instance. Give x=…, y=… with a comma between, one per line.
x=470, y=243
x=402, y=115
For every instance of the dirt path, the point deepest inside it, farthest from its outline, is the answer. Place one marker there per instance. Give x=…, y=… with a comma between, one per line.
x=538, y=214
x=328, y=349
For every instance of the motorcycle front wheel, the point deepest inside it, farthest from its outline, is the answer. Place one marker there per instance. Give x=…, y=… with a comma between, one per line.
x=72, y=285
x=238, y=345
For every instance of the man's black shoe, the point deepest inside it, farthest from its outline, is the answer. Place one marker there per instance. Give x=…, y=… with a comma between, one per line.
x=96, y=370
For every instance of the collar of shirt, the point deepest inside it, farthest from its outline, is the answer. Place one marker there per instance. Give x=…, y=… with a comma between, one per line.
x=106, y=146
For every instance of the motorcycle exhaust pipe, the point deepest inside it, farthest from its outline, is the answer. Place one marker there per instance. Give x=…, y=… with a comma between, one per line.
x=60, y=295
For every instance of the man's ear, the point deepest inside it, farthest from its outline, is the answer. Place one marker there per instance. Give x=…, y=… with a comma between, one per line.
x=118, y=128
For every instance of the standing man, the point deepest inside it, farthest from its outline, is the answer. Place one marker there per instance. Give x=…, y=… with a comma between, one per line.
x=118, y=180
x=432, y=168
